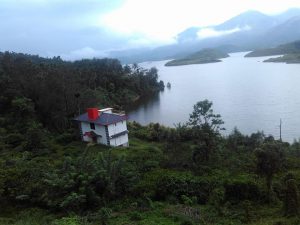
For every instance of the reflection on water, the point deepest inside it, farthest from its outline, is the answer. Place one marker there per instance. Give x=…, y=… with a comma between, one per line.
x=248, y=93
x=144, y=106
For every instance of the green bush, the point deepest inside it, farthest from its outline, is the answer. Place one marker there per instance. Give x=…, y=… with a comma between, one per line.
x=160, y=184
x=135, y=216
x=187, y=222
x=243, y=187
x=64, y=138
x=14, y=139
x=67, y=221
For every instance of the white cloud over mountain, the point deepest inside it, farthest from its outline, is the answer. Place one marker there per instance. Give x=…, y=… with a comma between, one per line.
x=211, y=32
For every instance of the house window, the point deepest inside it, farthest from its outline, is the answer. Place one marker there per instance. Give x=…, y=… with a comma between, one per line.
x=92, y=125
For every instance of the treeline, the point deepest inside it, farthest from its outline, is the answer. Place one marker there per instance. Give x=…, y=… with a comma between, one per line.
x=54, y=91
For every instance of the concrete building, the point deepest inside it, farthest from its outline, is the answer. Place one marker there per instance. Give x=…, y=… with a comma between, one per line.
x=103, y=127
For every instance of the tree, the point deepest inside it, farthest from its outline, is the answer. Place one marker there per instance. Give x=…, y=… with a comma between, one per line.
x=204, y=118
x=269, y=161
x=206, y=126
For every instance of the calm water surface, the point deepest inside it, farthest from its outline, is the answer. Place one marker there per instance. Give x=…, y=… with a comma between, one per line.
x=248, y=93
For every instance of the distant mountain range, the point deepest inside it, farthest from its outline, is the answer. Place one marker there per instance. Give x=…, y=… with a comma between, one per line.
x=248, y=31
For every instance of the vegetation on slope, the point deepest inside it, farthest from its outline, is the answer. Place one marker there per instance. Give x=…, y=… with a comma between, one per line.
x=290, y=52
x=189, y=174
x=267, y=52
x=200, y=57
x=183, y=175
x=289, y=58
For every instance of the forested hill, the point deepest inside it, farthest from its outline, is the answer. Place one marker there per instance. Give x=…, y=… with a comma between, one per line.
x=52, y=91
x=290, y=52
x=207, y=55
x=289, y=48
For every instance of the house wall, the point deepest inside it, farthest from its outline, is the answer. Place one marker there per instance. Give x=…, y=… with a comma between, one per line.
x=85, y=127
x=112, y=130
x=115, y=129
x=121, y=140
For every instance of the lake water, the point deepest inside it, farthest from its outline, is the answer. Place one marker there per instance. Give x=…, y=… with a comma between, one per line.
x=249, y=94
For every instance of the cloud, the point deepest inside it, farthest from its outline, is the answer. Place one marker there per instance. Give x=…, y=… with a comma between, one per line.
x=165, y=19
x=58, y=26
x=92, y=26
x=211, y=32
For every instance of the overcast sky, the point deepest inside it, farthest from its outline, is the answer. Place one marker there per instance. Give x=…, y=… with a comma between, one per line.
x=87, y=28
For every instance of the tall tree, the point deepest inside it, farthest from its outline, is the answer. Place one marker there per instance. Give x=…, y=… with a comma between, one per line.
x=206, y=125
x=204, y=118
x=269, y=161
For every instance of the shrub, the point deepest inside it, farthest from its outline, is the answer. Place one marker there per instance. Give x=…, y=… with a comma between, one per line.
x=161, y=184
x=291, y=200
x=187, y=222
x=64, y=138
x=243, y=187
x=14, y=139
x=135, y=216
x=67, y=221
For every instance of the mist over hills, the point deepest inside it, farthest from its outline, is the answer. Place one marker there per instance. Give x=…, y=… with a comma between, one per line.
x=250, y=30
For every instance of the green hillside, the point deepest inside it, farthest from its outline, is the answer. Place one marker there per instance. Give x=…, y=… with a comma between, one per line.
x=290, y=52
x=289, y=48
x=201, y=57
x=288, y=58
x=186, y=175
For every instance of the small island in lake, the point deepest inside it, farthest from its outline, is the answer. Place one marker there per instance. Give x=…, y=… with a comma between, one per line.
x=290, y=52
x=207, y=55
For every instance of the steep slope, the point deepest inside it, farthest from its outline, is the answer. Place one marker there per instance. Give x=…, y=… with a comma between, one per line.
x=285, y=32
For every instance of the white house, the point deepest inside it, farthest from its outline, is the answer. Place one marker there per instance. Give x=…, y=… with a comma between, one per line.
x=103, y=127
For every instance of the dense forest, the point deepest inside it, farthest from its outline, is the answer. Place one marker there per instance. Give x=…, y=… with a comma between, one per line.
x=186, y=175
x=55, y=91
